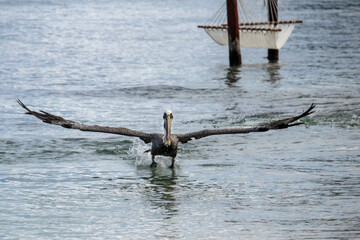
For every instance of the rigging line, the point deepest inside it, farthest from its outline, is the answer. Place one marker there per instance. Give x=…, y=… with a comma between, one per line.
x=248, y=12
x=215, y=18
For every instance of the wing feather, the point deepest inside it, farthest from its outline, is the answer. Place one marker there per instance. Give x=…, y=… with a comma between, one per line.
x=279, y=124
x=57, y=120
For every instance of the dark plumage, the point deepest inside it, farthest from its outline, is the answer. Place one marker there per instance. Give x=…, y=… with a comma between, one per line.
x=166, y=144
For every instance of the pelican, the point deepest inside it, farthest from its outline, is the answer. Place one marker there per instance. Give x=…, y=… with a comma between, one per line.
x=166, y=144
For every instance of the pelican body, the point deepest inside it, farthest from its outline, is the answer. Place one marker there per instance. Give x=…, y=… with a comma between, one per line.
x=166, y=144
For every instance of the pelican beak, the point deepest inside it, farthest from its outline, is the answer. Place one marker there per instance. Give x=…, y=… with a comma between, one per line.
x=167, y=129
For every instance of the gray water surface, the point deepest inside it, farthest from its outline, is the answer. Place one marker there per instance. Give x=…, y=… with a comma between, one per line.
x=122, y=63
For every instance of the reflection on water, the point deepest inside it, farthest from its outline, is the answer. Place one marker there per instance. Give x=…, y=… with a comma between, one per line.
x=232, y=75
x=163, y=197
x=160, y=187
x=274, y=72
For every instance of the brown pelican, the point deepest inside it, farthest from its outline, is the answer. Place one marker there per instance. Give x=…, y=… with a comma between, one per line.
x=166, y=144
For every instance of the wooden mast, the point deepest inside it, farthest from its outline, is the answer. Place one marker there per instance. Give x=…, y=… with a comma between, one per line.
x=273, y=54
x=233, y=33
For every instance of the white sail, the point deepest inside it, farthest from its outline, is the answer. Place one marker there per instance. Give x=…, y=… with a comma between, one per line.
x=265, y=36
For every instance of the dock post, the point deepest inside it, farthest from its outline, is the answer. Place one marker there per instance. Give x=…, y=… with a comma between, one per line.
x=273, y=12
x=233, y=33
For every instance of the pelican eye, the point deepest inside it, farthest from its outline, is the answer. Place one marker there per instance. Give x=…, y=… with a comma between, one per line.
x=166, y=115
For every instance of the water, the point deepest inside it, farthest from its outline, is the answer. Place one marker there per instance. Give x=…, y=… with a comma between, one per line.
x=122, y=63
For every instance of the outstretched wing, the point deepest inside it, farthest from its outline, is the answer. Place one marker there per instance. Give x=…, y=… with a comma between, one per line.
x=279, y=124
x=57, y=120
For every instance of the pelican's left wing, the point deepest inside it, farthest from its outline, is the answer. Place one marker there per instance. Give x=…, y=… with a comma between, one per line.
x=57, y=120
x=279, y=124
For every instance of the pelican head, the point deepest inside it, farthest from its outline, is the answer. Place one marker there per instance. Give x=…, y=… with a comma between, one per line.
x=168, y=116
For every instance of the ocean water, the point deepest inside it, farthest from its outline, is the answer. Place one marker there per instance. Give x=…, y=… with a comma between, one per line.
x=122, y=63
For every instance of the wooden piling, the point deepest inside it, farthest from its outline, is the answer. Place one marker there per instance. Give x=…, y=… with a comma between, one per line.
x=233, y=33
x=273, y=12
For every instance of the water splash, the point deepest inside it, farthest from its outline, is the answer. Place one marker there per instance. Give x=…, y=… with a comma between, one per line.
x=142, y=155
x=140, y=152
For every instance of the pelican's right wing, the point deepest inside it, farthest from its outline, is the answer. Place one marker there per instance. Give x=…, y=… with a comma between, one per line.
x=279, y=124
x=57, y=120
